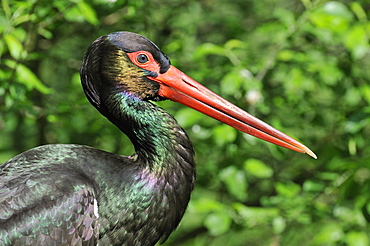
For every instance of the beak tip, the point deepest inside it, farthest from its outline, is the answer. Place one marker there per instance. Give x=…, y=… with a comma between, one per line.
x=310, y=153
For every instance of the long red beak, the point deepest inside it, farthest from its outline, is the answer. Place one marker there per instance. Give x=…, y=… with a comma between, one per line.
x=179, y=87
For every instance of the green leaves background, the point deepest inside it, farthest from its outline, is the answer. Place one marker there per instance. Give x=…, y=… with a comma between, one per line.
x=302, y=66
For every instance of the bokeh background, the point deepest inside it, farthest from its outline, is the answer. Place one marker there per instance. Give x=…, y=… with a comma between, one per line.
x=302, y=66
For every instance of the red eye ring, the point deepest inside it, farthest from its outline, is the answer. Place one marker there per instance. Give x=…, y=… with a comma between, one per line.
x=145, y=60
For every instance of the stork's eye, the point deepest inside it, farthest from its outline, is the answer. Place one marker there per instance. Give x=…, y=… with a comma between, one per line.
x=142, y=58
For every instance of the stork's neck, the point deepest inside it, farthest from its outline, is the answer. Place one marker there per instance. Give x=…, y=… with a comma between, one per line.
x=158, y=140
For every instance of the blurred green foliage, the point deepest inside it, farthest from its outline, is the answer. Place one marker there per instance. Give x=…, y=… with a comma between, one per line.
x=302, y=66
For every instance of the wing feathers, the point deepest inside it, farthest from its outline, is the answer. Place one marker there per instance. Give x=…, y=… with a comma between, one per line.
x=47, y=208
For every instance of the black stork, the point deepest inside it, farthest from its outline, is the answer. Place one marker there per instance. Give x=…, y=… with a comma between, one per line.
x=68, y=194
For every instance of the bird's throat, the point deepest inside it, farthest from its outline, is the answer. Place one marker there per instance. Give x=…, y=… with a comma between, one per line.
x=158, y=140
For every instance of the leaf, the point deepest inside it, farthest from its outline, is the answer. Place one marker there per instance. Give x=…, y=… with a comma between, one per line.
x=218, y=223
x=330, y=73
x=205, y=205
x=234, y=43
x=357, y=238
x=357, y=41
x=258, y=168
x=235, y=181
x=208, y=49
x=73, y=14
x=15, y=47
x=188, y=117
x=359, y=11
x=336, y=8
x=21, y=19
x=88, y=12
x=224, y=134
x=6, y=8
x=365, y=90
x=278, y=224
x=45, y=33
x=231, y=82
x=27, y=77
x=313, y=186
x=348, y=215
x=357, y=121
x=285, y=16
x=334, y=16
x=255, y=216
x=286, y=55
x=287, y=189
x=352, y=96
x=328, y=234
